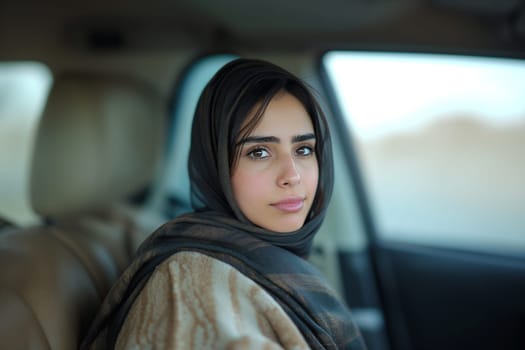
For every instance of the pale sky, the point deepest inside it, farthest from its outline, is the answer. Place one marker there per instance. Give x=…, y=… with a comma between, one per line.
x=383, y=92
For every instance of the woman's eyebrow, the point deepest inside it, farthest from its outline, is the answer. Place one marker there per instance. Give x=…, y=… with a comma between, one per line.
x=259, y=139
x=274, y=139
x=304, y=137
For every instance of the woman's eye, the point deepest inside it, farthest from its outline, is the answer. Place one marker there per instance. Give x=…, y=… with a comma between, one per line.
x=258, y=153
x=304, y=151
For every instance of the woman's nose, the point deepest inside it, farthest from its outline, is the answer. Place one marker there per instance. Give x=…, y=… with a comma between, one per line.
x=289, y=175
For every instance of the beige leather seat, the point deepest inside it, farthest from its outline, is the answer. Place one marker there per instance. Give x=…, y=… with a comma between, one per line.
x=98, y=143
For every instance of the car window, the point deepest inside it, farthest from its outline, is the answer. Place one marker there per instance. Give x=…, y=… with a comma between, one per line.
x=24, y=87
x=440, y=140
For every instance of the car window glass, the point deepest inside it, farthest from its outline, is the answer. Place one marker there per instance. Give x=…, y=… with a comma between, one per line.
x=24, y=87
x=440, y=140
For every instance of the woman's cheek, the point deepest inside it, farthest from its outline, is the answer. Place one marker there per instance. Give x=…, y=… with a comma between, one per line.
x=310, y=174
x=257, y=184
x=249, y=184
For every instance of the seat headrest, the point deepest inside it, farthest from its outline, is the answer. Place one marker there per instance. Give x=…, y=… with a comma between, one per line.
x=98, y=141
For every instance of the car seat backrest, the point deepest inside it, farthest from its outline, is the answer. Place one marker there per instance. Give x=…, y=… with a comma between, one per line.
x=98, y=142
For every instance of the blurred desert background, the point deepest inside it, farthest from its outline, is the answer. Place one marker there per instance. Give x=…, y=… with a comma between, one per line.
x=458, y=176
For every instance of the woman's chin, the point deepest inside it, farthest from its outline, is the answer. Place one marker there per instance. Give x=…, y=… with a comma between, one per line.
x=285, y=226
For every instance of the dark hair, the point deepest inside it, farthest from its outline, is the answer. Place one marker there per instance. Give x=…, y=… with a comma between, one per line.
x=242, y=88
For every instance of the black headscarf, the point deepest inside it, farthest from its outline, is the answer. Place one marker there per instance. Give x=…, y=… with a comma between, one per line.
x=233, y=93
x=217, y=227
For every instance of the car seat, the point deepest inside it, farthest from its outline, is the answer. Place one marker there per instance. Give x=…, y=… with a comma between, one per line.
x=98, y=143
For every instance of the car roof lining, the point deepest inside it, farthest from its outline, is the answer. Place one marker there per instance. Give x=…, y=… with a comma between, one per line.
x=292, y=25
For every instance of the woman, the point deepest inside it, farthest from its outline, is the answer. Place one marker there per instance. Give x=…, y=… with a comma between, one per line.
x=233, y=274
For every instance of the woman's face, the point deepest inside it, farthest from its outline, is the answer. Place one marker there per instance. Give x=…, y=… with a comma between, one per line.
x=275, y=179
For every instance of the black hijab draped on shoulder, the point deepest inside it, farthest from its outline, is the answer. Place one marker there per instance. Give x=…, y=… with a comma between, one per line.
x=217, y=227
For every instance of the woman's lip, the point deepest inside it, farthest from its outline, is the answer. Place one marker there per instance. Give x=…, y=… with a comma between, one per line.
x=289, y=205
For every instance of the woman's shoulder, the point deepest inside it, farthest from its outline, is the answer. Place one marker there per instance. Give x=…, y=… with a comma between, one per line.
x=198, y=268
x=195, y=299
x=212, y=279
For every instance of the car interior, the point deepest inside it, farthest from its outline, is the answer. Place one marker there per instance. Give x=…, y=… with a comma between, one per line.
x=425, y=235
